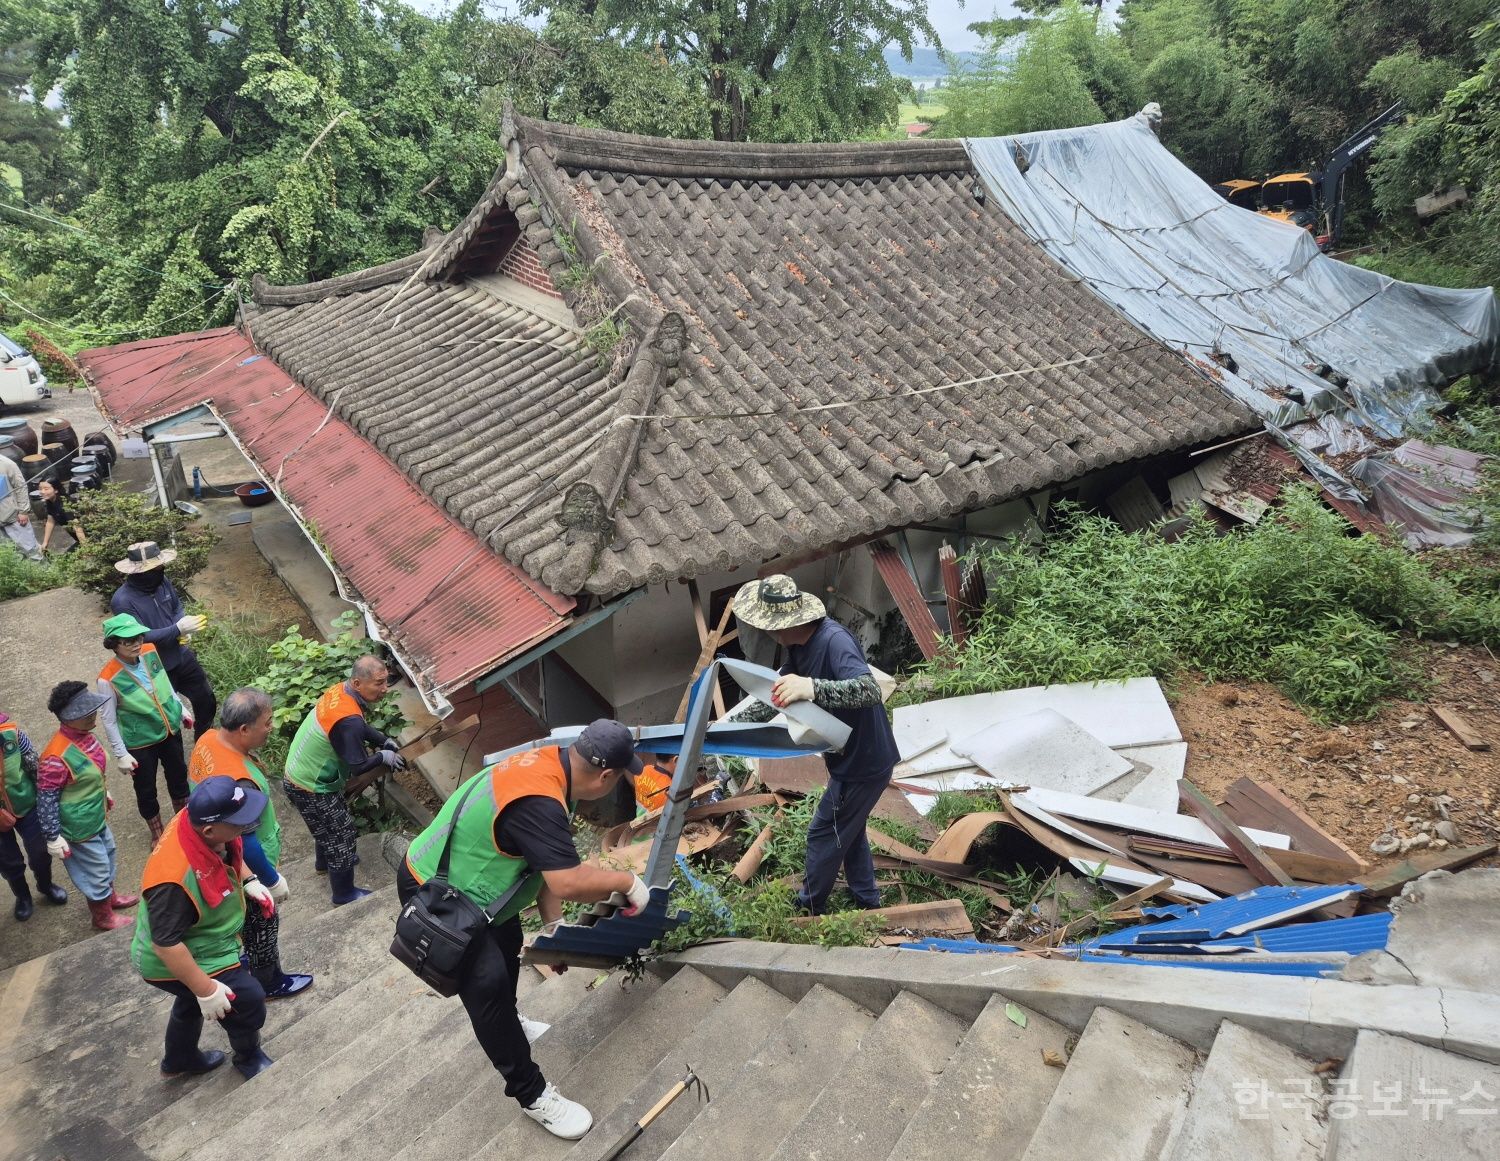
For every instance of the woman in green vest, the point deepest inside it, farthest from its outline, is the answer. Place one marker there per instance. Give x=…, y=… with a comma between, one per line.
x=143, y=718
x=18, y=760
x=73, y=803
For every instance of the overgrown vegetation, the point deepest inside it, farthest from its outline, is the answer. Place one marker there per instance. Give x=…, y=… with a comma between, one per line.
x=241, y=650
x=115, y=518
x=1294, y=600
x=20, y=577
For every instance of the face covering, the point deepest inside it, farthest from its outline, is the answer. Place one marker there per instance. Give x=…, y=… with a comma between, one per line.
x=146, y=582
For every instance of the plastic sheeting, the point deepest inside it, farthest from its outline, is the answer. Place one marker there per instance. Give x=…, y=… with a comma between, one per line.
x=1250, y=300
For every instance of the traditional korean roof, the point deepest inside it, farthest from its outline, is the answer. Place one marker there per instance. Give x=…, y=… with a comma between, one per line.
x=639, y=359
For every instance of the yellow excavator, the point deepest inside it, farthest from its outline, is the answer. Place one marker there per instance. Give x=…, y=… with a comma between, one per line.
x=1314, y=201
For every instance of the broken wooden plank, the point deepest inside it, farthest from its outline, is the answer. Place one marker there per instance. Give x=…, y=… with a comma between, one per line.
x=1303, y=867
x=1242, y=845
x=903, y=589
x=1458, y=726
x=438, y=734
x=1383, y=882
x=708, y=645
x=1255, y=804
x=953, y=592
x=1077, y=926
x=941, y=916
x=901, y=853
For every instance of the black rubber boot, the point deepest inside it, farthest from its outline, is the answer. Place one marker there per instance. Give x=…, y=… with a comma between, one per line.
x=24, y=906
x=51, y=892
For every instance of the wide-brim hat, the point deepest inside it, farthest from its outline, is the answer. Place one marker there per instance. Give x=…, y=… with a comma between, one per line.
x=84, y=702
x=124, y=627
x=145, y=556
x=775, y=602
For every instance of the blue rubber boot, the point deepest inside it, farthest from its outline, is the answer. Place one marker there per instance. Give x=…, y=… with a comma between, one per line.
x=342, y=885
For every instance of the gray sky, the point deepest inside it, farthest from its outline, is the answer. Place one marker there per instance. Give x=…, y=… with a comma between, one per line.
x=948, y=16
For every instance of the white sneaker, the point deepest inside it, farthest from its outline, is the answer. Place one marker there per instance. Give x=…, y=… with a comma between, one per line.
x=533, y=1029
x=558, y=1115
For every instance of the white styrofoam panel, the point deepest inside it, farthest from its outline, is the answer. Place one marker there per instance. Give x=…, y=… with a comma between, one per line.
x=1133, y=712
x=1141, y=821
x=1043, y=748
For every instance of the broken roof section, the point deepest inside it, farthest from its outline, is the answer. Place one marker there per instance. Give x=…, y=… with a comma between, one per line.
x=1249, y=299
x=821, y=342
x=450, y=609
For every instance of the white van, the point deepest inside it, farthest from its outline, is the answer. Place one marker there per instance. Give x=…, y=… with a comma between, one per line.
x=21, y=378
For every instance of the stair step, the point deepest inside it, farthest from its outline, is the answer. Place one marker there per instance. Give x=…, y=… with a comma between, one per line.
x=448, y=1071
x=871, y=1100
x=1217, y=1124
x=992, y=1093
x=121, y=1054
x=715, y=1049
x=327, y=1012
x=484, y=1109
x=601, y=1079
x=1121, y=1094
x=1413, y=1102
x=289, y=1100
x=778, y=1084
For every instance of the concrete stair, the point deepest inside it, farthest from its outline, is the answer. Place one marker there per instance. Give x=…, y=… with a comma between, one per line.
x=834, y=1055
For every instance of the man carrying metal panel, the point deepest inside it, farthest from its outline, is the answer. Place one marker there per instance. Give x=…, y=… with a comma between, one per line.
x=826, y=666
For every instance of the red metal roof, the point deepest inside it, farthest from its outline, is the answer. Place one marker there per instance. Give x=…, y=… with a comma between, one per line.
x=449, y=604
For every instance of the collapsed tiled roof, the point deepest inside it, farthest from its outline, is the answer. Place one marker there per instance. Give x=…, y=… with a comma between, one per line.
x=819, y=343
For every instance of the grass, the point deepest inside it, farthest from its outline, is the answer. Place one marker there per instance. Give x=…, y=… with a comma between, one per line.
x=1294, y=600
x=926, y=113
x=20, y=577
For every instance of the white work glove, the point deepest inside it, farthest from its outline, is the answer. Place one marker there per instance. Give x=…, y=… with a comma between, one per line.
x=280, y=889
x=191, y=623
x=791, y=688
x=128, y=763
x=58, y=847
x=188, y=720
x=261, y=894
x=392, y=760
x=215, y=1005
x=638, y=896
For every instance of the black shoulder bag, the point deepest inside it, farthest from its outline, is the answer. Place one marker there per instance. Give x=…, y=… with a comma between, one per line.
x=437, y=926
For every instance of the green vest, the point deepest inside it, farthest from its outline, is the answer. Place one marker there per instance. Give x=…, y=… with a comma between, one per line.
x=269, y=830
x=475, y=866
x=19, y=787
x=145, y=716
x=311, y=763
x=81, y=805
x=214, y=941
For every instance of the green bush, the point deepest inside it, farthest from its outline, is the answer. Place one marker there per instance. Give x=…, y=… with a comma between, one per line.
x=1294, y=600
x=115, y=518
x=301, y=668
x=20, y=577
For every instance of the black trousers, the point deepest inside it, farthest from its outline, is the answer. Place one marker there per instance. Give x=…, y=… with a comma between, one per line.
x=169, y=756
x=189, y=680
x=247, y=1014
x=837, y=838
x=27, y=833
x=488, y=992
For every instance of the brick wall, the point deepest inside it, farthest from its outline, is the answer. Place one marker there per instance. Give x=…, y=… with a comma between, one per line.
x=522, y=264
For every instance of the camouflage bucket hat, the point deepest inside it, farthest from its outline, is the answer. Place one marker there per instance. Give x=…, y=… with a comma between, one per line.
x=775, y=602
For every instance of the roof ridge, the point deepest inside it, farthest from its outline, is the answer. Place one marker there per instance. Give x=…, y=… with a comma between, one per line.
x=575, y=148
x=267, y=293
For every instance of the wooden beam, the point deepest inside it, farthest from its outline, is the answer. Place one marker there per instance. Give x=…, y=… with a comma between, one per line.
x=903, y=589
x=945, y=916
x=1458, y=726
x=708, y=645
x=1194, y=801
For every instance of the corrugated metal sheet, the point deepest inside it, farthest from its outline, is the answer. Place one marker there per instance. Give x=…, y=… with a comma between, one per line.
x=1192, y=936
x=909, y=600
x=451, y=607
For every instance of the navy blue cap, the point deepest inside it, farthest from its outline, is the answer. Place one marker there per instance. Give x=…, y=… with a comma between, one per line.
x=222, y=799
x=609, y=745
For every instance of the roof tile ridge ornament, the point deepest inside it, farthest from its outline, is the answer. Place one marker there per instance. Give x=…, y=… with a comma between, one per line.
x=589, y=504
